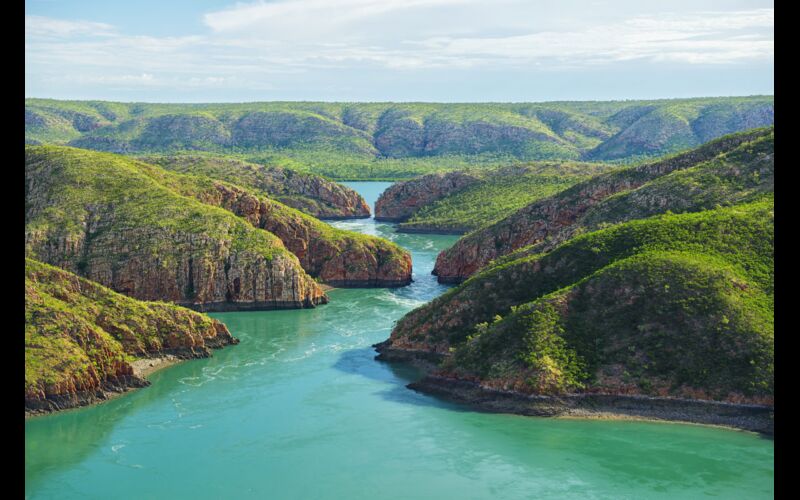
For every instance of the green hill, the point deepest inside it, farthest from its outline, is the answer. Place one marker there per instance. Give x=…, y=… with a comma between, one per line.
x=492, y=195
x=731, y=169
x=82, y=340
x=677, y=305
x=101, y=216
x=155, y=234
x=309, y=193
x=396, y=140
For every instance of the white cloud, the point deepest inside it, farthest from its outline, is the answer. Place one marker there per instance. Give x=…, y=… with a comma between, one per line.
x=310, y=17
x=38, y=26
x=251, y=45
x=707, y=37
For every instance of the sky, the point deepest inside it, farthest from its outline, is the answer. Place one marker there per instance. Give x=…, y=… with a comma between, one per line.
x=397, y=50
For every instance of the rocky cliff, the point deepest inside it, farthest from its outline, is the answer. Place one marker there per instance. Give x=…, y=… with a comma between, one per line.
x=462, y=201
x=81, y=339
x=671, y=306
x=309, y=193
x=100, y=216
x=402, y=199
x=338, y=258
x=557, y=217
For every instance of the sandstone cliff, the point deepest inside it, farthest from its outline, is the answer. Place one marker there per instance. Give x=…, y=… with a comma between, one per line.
x=402, y=199
x=338, y=258
x=557, y=217
x=100, y=216
x=82, y=338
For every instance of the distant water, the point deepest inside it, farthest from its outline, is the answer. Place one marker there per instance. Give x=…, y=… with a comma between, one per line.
x=300, y=409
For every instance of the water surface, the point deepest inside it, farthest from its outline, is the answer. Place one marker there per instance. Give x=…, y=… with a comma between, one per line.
x=300, y=409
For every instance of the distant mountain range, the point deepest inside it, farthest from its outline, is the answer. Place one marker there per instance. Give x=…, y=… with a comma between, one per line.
x=343, y=140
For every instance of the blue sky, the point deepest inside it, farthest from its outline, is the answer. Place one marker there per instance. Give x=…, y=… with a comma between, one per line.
x=397, y=50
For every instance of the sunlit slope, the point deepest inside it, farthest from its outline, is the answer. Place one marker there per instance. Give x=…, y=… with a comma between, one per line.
x=397, y=140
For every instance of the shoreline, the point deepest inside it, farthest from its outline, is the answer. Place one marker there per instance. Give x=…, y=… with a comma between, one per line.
x=142, y=368
x=611, y=417
x=744, y=417
x=432, y=230
x=732, y=416
x=145, y=367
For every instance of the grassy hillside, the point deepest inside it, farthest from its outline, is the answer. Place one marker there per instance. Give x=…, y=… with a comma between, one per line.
x=105, y=217
x=335, y=256
x=499, y=193
x=676, y=304
x=396, y=140
x=82, y=338
x=311, y=194
x=731, y=169
x=660, y=324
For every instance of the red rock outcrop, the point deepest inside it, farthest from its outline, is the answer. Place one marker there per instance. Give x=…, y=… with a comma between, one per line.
x=337, y=258
x=313, y=194
x=549, y=217
x=402, y=199
x=101, y=217
x=79, y=334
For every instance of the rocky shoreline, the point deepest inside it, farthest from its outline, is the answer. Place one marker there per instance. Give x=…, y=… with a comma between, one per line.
x=253, y=306
x=107, y=390
x=448, y=280
x=116, y=386
x=430, y=230
x=748, y=417
x=425, y=360
x=755, y=418
x=373, y=283
x=343, y=217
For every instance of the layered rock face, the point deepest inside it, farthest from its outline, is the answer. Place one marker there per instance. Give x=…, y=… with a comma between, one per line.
x=314, y=195
x=309, y=193
x=81, y=338
x=553, y=217
x=402, y=199
x=494, y=194
x=336, y=257
x=102, y=217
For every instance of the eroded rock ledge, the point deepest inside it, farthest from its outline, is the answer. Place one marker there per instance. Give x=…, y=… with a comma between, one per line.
x=338, y=258
x=749, y=417
x=402, y=199
x=756, y=418
x=311, y=194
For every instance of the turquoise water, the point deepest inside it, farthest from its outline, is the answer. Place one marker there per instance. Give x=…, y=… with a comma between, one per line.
x=300, y=409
